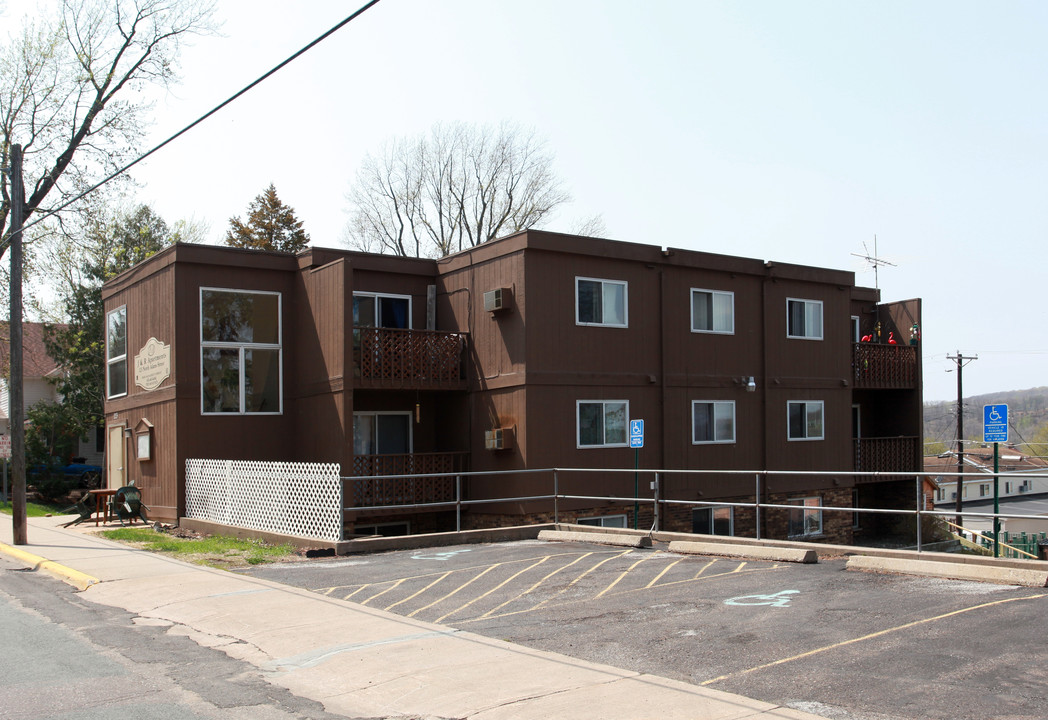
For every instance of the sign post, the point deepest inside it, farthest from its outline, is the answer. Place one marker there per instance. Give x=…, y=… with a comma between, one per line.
x=636, y=442
x=995, y=430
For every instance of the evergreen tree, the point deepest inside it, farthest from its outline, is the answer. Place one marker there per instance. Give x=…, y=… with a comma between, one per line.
x=271, y=225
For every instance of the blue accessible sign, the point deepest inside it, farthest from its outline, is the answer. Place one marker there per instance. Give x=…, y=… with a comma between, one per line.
x=995, y=423
x=636, y=433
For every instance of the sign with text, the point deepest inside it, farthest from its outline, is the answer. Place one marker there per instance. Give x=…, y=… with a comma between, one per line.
x=995, y=423
x=152, y=365
x=636, y=433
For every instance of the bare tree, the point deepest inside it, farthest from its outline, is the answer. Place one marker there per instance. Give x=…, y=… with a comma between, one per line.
x=70, y=90
x=457, y=187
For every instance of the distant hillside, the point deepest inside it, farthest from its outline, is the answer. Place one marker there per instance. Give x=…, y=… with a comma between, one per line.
x=1027, y=413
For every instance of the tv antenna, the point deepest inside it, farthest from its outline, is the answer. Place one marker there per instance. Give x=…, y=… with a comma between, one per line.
x=874, y=261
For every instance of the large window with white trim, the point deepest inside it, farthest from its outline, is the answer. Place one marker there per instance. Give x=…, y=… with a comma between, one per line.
x=712, y=311
x=804, y=319
x=712, y=421
x=805, y=419
x=116, y=352
x=601, y=302
x=602, y=423
x=240, y=352
x=806, y=518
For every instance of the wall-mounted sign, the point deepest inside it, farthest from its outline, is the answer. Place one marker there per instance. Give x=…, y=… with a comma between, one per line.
x=152, y=364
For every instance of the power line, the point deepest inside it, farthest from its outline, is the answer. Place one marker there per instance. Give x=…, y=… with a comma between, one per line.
x=206, y=115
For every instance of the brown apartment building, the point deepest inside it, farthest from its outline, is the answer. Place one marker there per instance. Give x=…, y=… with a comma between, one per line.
x=532, y=351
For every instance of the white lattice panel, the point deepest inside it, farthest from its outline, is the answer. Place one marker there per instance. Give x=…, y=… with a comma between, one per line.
x=300, y=499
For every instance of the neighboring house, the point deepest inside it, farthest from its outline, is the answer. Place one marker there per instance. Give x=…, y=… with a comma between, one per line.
x=37, y=371
x=532, y=351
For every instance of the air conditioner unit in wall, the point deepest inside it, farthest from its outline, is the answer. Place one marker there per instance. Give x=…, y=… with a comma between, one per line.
x=498, y=438
x=497, y=299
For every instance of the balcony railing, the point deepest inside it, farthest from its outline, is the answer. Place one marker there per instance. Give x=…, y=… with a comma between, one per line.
x=387, y=357
x=893, y=454
x=366, y=492
x=885, y=366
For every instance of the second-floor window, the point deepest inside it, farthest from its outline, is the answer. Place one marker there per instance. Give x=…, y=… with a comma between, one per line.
x=804, y=419
x=804, y=319
x=712, y=422
x=381, y=311
x=240, y=351
x=116, y=353
x=602, y=423
x=712, y=311
x=601, y=302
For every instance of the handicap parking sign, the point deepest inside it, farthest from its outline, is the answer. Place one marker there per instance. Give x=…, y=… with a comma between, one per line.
x=636, y=433
x=995, y=423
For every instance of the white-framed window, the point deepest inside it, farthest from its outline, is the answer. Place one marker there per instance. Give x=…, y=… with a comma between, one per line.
x=984, y=490
x=1007, y=487
x=806, y=519
x=602, y=423
x=240, y=352
x=116, y=352
x=713, y=520
x=712, y=311
x=612, y=521
x=804, y=419
x=804, y=319
x=712, y=421
x=601, y=302
x=378, y=310
x=856, y=333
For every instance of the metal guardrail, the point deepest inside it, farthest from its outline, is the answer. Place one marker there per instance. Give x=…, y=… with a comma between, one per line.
x=919, y=511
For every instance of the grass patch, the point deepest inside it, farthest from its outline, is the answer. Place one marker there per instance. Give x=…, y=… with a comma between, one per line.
x=217, y=551
x=34, y=509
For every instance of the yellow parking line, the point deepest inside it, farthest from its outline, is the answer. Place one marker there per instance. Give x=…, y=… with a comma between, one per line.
x=871, y=636
x=415, y=595
x=664, y=571
x=394, y=586
x=500, y=585
x=456, y=590
x=622, y=575
x=365, y=585
x=705, y=567
x=542, y=580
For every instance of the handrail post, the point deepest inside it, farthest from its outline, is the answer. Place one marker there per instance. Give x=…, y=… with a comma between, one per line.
x=458, y=503
x=920, y=506
x=556, y=498
x=655, y=525
x=757, y=505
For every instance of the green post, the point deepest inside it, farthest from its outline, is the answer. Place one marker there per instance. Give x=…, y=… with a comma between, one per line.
x=636, y=486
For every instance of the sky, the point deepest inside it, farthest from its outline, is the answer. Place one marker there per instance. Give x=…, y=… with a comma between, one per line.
x=790, y=131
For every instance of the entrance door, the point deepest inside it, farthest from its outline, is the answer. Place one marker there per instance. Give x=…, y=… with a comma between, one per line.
x=116, y=456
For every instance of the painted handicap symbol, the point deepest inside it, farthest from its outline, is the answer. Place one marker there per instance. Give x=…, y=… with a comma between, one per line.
x=446, y=555
x=779, y=599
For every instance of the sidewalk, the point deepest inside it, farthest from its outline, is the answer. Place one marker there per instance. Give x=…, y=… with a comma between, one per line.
x=357, y=661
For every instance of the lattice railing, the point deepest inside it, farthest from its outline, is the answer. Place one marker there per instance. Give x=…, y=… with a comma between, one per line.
x=885, y=366
x=368, y=492
x=300, y=499
x=409, y=357
x=894, y=454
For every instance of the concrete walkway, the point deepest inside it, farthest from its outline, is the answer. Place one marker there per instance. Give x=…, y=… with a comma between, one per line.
x=357, y=661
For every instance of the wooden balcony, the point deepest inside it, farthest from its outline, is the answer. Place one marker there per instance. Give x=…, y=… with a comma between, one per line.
x=365, y=492
x=894, y=454
x=888, y=367
x=409, y=359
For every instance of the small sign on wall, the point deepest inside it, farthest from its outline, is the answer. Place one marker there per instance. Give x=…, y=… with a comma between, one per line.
x=152, y=364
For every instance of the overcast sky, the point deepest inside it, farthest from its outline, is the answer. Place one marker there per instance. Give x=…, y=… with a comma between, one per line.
x=789, y=131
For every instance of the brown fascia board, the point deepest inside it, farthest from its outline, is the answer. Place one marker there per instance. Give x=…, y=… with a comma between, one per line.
x=317, y=257
x=195, y=254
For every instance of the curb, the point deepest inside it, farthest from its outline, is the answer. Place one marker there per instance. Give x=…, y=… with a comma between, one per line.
x=749, y=551
x=81, y=581
x=954, y=571
x=636, y=541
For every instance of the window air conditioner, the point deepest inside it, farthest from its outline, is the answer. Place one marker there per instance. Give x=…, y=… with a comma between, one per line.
x=497, y=299
x=498, y=439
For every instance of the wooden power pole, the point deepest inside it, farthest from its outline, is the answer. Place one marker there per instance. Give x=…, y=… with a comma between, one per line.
x=15, y=388
x=961, y=361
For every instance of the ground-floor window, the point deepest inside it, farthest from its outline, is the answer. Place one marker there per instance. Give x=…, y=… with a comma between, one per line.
x=713, y=521
x=381, y=433
x=615, y=521
x=383, y=529
x=807, y=518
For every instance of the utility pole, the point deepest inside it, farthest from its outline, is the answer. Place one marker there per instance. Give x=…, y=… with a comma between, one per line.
x=16, y=391
x=961, y=361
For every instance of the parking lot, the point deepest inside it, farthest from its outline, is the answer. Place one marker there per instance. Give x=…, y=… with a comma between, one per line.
x=837, y=643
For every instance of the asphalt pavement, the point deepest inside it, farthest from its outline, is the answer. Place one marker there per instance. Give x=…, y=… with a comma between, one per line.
x=357, y=661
